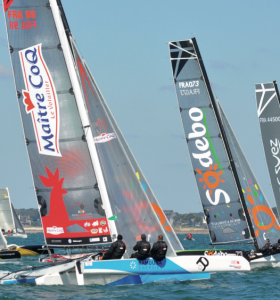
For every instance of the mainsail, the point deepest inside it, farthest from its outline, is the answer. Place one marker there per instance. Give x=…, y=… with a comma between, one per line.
x=261, y=215
x=214, y=171
x=268, y=107
x=84, y=177
x=62, y=168
x=8, y=217
x=125, y=181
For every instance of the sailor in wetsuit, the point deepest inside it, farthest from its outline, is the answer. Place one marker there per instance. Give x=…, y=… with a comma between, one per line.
x=159, y=249
x=267, y=247
x=276, y=246
x=143, y=247
x=116, y=249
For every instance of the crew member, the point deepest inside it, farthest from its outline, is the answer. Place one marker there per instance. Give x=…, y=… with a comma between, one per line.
x=143, y=247
x=276, y=246
x=267, y=247
x=159, y=249
x=116, y=249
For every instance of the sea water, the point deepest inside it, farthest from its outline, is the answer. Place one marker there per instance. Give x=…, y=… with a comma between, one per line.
x=260, y=283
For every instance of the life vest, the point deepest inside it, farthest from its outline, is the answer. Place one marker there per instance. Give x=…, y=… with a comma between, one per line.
x=162, y=249
x=145, y=248
x=120, y=249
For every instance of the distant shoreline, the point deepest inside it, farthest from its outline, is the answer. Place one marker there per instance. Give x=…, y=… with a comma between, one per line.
x=192, y=230
x=178, y=230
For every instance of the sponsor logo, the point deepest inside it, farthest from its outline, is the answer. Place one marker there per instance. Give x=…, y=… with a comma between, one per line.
x=105, y=240
x=219, y=253
x=87, y=224
x=81, y=211
x=40, y=100
x=133, y=265
x=94, y=240
x=55, y=230
x=235, y=262
x=56, y=241
x=95, y=223
x=100, y=230
x=77, y=241
x=70, y=241
x=102, y=223
x=94, y=231
x=105, y=230
x=203, y=143
x=235, y=266
x=103, y=137
x=202, y=263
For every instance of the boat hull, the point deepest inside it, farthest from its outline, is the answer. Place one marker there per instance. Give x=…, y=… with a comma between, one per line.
x=128, y=271
x=31, y=250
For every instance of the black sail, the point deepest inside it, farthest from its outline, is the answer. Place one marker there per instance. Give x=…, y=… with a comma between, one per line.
x=217, y=186
x=263, y=219
x=268, y=108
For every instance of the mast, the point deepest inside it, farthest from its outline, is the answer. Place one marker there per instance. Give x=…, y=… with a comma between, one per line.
x=202, y=67
x=83, y=114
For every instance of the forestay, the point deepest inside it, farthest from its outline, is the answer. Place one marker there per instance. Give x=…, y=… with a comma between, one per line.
x=214, y=176
x=132, y=202
x=262, y=217
x=62, y=169
x=268, y=107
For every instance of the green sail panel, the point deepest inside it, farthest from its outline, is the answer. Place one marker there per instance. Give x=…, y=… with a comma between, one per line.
x=216, y=184
x=263, y=219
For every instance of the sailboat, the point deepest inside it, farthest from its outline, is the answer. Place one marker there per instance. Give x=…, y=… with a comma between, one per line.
x=9, y=221
x=88, y=185
x=234, y=205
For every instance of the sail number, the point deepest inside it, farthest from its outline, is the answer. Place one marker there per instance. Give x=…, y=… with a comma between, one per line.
x=271, y=119
x=28, y=14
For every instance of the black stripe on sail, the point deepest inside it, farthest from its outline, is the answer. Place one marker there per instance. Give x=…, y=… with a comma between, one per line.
x=183, y=62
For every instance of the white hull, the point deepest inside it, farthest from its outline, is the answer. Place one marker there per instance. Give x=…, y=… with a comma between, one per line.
x=16, y=235
x=129, y=271
x=266, y=261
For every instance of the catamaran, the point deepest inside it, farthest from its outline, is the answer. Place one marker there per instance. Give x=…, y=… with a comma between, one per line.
x=234, y=205
x=88, y=184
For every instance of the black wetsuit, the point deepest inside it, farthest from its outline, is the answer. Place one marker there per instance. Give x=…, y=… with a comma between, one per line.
x=115, y=251
x=143, y=248
x=159, y=250
x=276, y=247
x=266, y=248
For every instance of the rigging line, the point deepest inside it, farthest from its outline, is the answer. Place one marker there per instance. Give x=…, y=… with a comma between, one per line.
x=183, y=49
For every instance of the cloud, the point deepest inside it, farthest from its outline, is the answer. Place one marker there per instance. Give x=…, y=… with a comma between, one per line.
x=167, y=88
x=5, y=72
x=221, y=65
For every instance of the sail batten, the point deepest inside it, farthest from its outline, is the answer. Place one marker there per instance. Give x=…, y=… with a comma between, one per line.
x=213, y=170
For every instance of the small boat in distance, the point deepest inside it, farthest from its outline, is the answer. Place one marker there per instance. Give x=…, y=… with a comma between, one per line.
x=9, y=222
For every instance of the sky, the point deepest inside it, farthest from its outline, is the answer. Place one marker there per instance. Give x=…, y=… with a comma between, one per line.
x=125, y=44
